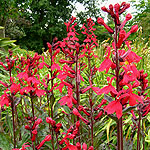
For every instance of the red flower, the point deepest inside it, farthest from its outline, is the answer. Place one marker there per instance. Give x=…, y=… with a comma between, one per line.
x=23, y=75
x=4, y=99
x=26, y=90
x=108, y=88
x=133, y=97
x=55, y=66
x=114, y=106
x=40, y=92
x=68, y=99
x=106, y=64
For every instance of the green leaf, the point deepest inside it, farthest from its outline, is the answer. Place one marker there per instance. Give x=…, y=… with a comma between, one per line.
x=52, y=100
x=127, y=109
x=108, y=127
x=9, y=123
x=108, y=98
x=4, y=142
x=6, y=42
x=1, y=27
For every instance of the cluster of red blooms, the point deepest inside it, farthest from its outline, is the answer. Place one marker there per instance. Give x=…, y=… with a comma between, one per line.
x=13, y=88
x=122, y=63
x=128, y=73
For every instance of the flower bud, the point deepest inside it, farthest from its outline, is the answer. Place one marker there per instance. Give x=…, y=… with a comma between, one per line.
x=116, y=7
x=111, y=7
x=48, y=138
x=134, y=28
x=100, y=21
x=128, y=17
x=84, y=146
x=77, y=124
x=104, y=9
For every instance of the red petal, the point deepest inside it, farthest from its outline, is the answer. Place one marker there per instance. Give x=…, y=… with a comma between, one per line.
x=106, y=64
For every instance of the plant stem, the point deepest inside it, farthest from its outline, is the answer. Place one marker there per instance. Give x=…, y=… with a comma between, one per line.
x=119, y=123
x=77, y=90
x=90, y=98
x=138, y=133
x=13, y=113
x=13, y=117
x=52, y=84
x=32, y=104
x=143, y=134
x=57, y=141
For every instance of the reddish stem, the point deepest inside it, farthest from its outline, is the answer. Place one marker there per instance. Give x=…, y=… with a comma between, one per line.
x=52, y=83
x=13, y=117
x=77, y=90
x=138, y=133
x=119, y=123
x=90, y=99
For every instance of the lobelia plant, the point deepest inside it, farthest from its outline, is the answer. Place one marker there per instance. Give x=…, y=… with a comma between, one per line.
x=80, y=98
x=125, y=96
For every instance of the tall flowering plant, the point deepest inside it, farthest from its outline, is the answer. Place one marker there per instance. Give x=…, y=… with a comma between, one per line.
x=71, y=71
x=126, y=76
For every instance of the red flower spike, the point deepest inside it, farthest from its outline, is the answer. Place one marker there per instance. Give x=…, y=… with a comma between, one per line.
x=61, y=85
x=123, y=4
x=23, y=75
x=86, y=89
x=81, y=108
x=128, y=17
x=58, y=126
x=101, y=21
x=133, y=97
x=55, y=66
x=40, y=92
x=47, y=138
x=49, y=47
x=66, y=100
